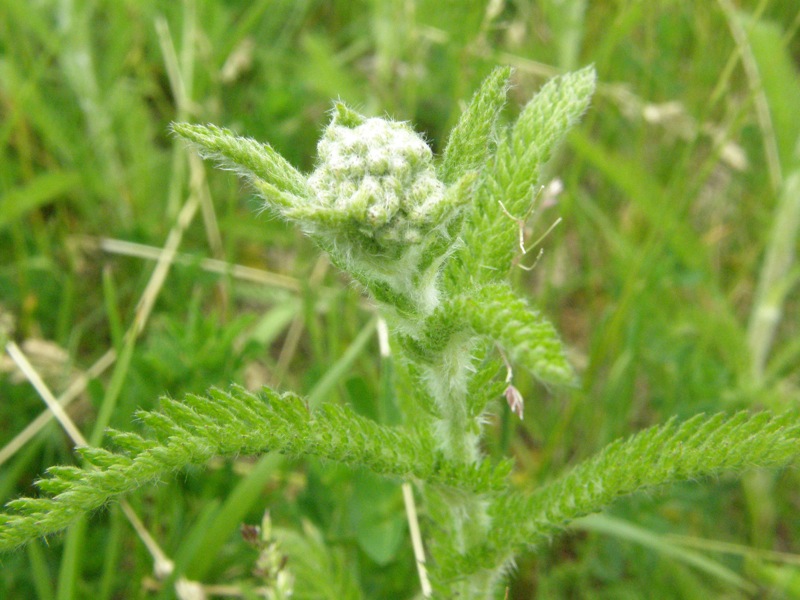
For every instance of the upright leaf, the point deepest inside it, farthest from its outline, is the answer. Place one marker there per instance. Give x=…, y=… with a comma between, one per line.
x=507, y=189
x=474, y=134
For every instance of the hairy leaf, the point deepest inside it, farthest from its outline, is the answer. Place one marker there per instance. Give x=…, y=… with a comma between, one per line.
x=506, y=191
x=496, y=313
x=474, y=134
x=267, y=170
x=231, y=423
x=543, y=123
x=700, y=447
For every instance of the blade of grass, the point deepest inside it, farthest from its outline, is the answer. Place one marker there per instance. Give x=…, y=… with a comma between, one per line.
x=71, y=393
x=40, y=573
x=651, y=199
x=211, y=265
x=26, y=87
x=143, y=310
x=42, y=189
x=79, y=69
x=230, y=515
x=71, y=559
x=775, y=283
x=338, y=369
x=739, y=25
x=111, y=556
x=112, y=309
x=298, y=324
x=735, y=549
x=625, y=530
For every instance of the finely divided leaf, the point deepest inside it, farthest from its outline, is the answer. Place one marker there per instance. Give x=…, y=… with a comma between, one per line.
x=229, y=424
x=506, y=191
x=543, y=123
x=531, y=341
x=474, y=134
x=269, y=172
x=700, y=447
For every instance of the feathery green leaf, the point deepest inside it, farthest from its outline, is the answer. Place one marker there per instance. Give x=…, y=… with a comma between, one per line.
x=496, y=312
x=229, y=424
x=700, y=447
x=474, y=135
x=543, y=123
x=505, y=194
x=266, y=169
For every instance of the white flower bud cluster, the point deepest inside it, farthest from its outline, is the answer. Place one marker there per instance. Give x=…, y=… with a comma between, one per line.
x=379, y=176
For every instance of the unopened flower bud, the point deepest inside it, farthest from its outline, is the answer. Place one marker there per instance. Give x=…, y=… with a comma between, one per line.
x=376, y=176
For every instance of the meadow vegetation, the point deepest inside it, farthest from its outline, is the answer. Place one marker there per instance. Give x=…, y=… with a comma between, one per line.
x=661, y=246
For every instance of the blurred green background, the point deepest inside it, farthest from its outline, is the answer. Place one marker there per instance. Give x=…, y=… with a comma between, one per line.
x=671, y=276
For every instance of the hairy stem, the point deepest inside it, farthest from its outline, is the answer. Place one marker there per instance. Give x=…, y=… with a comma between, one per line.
x=464, y=519
x=447, y=380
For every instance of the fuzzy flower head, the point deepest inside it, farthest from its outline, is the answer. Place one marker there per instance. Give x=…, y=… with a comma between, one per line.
x=376, y=177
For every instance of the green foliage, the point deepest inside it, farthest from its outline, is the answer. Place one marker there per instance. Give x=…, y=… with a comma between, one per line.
x=315, y=562
x=275, y=178
x=475, y=134
x=495, y=312
x=700, y=447
x=672, y=236
x=374, y=202
x=506, y=192
x=229, y=424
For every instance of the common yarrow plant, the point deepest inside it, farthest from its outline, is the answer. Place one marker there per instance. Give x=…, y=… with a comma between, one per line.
x=433, y=241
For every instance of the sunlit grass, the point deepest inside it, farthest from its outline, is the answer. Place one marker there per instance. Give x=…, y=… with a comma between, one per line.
x=672, y=274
